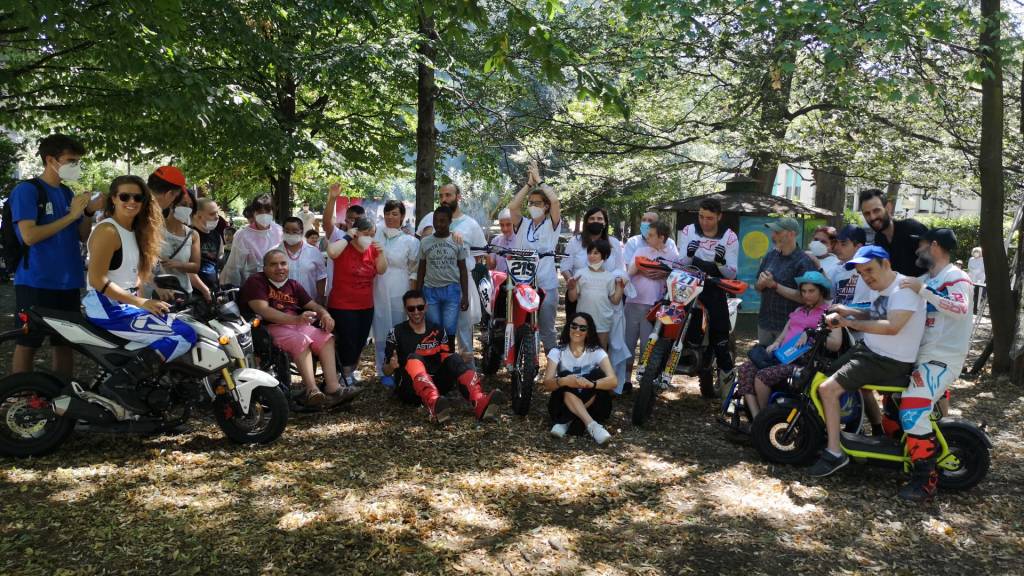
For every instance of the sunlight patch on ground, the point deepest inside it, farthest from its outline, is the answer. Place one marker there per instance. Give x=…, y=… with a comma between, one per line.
x=297, y=519
x=18, y=475
x=543, y=550
x=461, y=510
x=201, y=498
x=740, y=493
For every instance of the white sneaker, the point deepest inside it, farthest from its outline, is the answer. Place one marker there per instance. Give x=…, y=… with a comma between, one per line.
x=599, y=434
x=559, y=430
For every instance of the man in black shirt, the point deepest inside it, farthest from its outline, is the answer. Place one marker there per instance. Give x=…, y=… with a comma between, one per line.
x=420, y=357
x=898, y=237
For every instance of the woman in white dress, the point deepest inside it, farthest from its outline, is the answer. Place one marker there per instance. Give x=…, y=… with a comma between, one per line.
x=402, y=251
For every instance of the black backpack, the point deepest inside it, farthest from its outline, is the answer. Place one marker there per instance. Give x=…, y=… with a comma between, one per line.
x=13, y=250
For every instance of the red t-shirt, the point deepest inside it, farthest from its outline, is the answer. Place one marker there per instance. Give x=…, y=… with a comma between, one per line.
x=352, y=284
x=290, y=298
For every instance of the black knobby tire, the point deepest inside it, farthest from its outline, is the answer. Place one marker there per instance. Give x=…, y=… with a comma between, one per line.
x=806, y=440
x=969, y=446
x=267, y=418
x=29, y=435
x=492, y=340
x=647, y=393
x=524, y=371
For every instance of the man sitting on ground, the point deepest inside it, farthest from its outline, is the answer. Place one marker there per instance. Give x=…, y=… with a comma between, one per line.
x=289, y=313
x=892, y=329
x=421, y=355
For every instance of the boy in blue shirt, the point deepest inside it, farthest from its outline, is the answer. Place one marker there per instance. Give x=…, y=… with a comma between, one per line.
x=50, y=273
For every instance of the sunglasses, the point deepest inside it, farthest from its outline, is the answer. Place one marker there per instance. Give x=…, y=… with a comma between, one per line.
x=417, y=308
x=579, y=327
x=126, y=197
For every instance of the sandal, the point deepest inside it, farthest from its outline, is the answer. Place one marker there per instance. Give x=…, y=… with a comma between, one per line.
x=315, y=400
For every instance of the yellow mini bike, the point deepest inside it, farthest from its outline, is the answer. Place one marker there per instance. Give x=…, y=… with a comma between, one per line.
x=792, y=431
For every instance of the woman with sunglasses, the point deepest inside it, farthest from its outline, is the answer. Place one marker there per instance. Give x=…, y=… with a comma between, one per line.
x=123, y=251
x=580, y=378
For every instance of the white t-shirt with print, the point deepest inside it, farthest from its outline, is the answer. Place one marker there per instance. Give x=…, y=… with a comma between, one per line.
x=542, y=238
x=594, y=290
x=567, y=362
x=904, y=345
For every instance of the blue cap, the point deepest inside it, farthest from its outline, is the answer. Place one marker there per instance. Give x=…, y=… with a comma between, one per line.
x=815, y=277
x=852, y=233
x=866, y=254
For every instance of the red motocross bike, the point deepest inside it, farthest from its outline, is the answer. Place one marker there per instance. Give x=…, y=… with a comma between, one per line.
x=508, y=324
x=671, y=348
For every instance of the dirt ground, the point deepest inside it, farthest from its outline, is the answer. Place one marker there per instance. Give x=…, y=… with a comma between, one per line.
x=377, y=489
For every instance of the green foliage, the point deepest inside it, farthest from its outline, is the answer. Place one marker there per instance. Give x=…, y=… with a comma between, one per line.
x=966, y=228
x=10, y=155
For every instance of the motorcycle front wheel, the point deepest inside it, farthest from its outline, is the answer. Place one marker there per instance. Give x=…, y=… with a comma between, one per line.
x=267, y=418
x=647, y=395
x=492, y=340
x=524, y=371
x=28, y=425
x=768, y=434
x=969, y=446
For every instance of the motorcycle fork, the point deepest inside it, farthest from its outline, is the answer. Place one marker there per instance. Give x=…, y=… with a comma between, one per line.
x=794, y=416
x=677, y=347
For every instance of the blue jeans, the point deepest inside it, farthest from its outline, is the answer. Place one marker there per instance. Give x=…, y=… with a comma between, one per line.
x=443, y=307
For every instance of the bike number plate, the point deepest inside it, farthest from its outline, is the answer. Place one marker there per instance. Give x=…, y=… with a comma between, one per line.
x=522, y=269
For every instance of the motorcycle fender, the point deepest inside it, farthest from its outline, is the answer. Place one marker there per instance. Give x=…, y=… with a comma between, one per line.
x=246, y=380
x=953, y=422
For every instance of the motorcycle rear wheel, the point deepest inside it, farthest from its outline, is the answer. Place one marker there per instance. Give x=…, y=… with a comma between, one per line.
x=969, y=446
x=524, y=371
x=492, y=340
x=23, y=433
x=806, y=440
x=647, y=395
x=267, y=418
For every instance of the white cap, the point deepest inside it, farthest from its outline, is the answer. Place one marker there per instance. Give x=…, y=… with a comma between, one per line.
x=505, y=214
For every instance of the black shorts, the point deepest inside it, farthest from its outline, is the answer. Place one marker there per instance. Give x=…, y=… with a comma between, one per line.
x=26, y=297
x=860, y=366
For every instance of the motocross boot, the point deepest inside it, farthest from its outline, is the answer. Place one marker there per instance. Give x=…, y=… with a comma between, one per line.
x=923, y=484
x=485, y=406
x=436, y=404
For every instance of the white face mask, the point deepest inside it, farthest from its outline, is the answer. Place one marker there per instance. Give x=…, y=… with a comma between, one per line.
x=277, y=284
x=265, y=220
x=70, y=171
x=818, y=248
x=536, y=211
x=392, y=232
x=596, y=267
x=210, y=226
x=364, y=242
x=292, y=239
x=183, y=214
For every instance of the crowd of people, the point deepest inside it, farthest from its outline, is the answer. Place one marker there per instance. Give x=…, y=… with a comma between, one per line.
x=325, y=294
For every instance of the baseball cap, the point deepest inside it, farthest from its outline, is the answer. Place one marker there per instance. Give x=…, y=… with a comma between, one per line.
x=944, y=237
x=852, y=233
x=815, y=277
x=785, y=223
x=171, y=175
x=866, y=254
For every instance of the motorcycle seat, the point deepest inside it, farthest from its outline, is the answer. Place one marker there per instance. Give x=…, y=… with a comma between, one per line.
x=76, y=317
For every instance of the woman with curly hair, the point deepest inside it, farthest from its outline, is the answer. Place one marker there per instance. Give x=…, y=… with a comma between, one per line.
x=123, y=250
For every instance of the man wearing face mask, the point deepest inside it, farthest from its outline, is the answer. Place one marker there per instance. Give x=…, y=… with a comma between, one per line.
x=540, y=232
x=306, y=265
x=210, y=227
x=647, y=220
x=306, y=216
x=251, y=243
x=50, y=227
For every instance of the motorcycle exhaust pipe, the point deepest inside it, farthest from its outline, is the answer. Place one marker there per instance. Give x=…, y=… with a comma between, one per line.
x=78, y=409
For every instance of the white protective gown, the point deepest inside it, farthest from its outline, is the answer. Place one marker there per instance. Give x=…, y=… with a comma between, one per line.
x=402, y=251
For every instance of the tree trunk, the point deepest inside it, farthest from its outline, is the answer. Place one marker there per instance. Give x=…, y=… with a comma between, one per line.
x=281, y=187
x=990, y=165
x=776, y=87
x=892, y=196
x=830, y=192
x=426, y=131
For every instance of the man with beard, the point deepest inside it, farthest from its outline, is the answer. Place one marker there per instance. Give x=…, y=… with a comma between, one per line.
x=421, y=361
x=947, y=338
x=897, y=237
x=464, y=229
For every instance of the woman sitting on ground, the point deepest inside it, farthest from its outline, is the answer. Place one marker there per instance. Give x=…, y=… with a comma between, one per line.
x=580, y=378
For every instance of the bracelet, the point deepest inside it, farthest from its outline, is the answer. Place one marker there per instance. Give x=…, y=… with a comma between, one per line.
x=105, y=286
x=347, y=238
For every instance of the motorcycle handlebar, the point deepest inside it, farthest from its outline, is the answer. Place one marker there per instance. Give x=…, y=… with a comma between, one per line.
x=502, y=251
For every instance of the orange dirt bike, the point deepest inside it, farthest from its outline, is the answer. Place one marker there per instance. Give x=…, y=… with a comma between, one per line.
x=508, y=327
x=672, y=347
